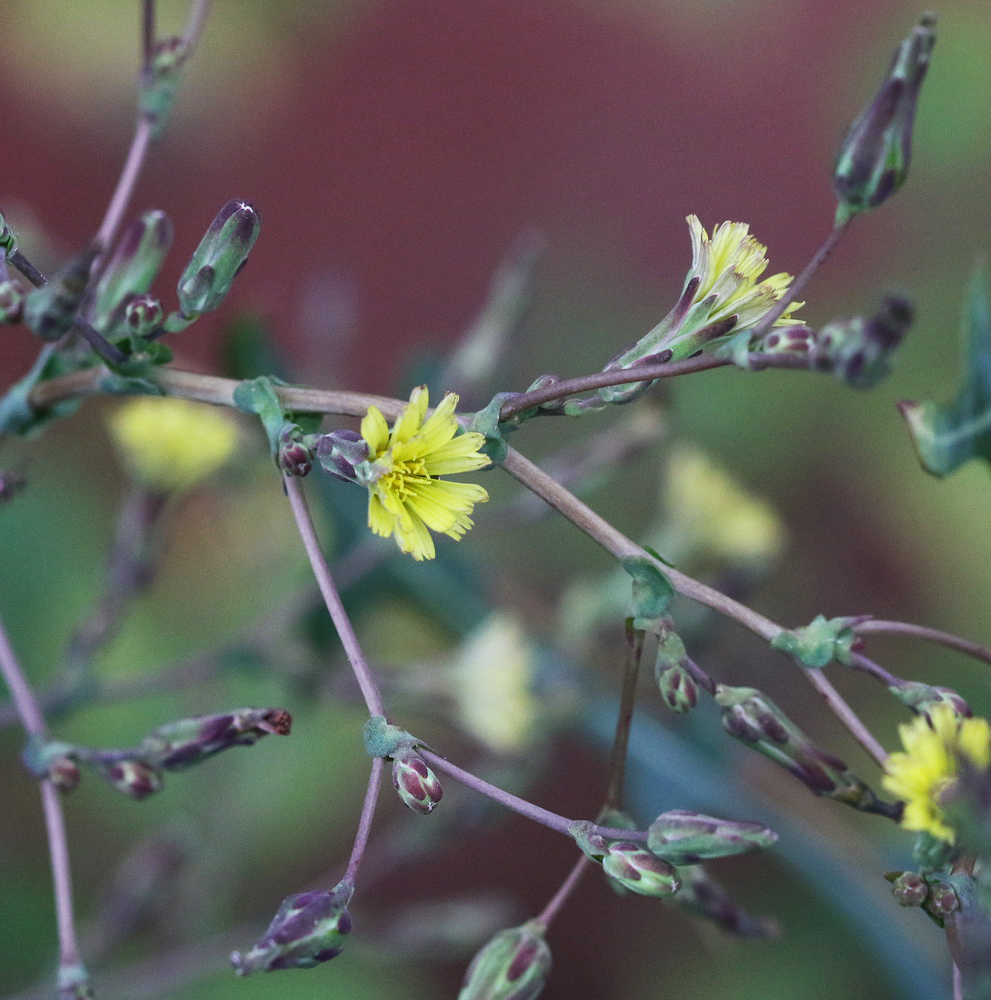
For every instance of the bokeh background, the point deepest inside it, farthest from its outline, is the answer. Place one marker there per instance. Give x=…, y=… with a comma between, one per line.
x=395, y=150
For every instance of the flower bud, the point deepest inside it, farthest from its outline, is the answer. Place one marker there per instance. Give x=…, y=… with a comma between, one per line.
x=131, y=270
x=908, y=888
x=634, y=867
x=186, y=742
x=160, y=82
x=12, y=296
x=309, y=928
x=873, y=159
x=132, y=777
x=677, y=686
x=681, y=837
x=51, y=310
x=143, y=315
x=416, y=783
x=942, y=900
x=791, y=340
x=922, y=698
x=295, y=458
x=63, y=773
x=222, y=253
x=514, y=965
x=705, y=897
x=340, y=451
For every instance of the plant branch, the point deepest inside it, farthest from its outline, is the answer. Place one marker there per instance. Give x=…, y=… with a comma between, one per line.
x=352, y=648
x=909, y=631
x=550, y=911
x=617, y=762
x=365, y=821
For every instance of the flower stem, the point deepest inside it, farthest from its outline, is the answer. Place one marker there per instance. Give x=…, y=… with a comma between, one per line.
x=550, y=911
x=365, y=821
x=909, y=631
x=617, y=762
x=352, y=648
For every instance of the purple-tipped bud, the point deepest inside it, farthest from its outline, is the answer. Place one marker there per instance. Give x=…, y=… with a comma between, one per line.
x=295, y=457
x=677, y=686
x=633, y=867
x=222, y=253
x=143, y=315
x=73, y=983
x=309, y=928
x=922, y=698
x=63, y=773
x=12, y=296
x=514, y=965
x=416, y=783
x=51, y=310
x=908, y=888
x=873, y=160
x=681, y=837
x=340, y=451
x=132, y=777
x=790, y=340
x=942, y=900
x=187, y=742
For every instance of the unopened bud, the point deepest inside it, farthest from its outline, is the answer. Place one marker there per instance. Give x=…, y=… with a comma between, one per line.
x=51, y=310
x=132, y=777
x=923, y=698
x=295, y=457
x=635, y=868
x=143, y=315
x=908, y=888
x=681, y=837
x=942, y=900
x=677, y=686
x=222, y=253
x=514, y=965
x=873, y=160
x=789, y=340
x=309, y=928
x=63, y=773
x=12, y=296
x=415, y=782
x=340, y=451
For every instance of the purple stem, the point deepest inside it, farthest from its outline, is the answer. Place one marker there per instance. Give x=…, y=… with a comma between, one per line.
x=909, y=631
x=860, y=662
x=365, y=822
x=352, y=648
x=550, y=911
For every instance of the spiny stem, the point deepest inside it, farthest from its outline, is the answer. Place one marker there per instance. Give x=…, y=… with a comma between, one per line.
x=551, y=910
x=34, y=725
x=365, y=821
x=909, y=631
x=352, y=648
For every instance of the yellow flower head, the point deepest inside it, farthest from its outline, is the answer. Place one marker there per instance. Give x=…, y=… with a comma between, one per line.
x=922, y=774
x=406, y=497
x=729, y=266
x=169, y=444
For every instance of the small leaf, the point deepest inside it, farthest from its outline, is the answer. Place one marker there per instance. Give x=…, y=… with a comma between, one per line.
x=819, y=643
x=652, y=590
x=947, y=436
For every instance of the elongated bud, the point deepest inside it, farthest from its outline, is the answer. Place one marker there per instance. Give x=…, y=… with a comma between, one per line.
x=12, y=296
x=415, y=782
x=860, y=349
x=160, y=82
x=677, y=686
x=704, y=896
x=873, y=160
x=514, y=965
x=309, y=928
x=681, y=837
x=925, y=697
x=340, y=451
x=187, y=742
x=634, y=867
x=222, y=253
x=131, y=270
x=51, y=310
x=132, y=778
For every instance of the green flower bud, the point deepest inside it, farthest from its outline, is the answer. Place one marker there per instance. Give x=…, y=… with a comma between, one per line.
x=681, y=837
x=677, y=686
x=133, y=778
x=51, y=310
x=130, y=271
x=340, y=451
x=873, y=159
x=309, y=928
x=160, y=82
x=143, y=315
x=908, y=888
x=514, y=965
x=942, y=900
x=12, y=296
x=634, y=867
x=218, y=259
x=295, y=457
x=922, y=698
x=186, y=742
x=416, y=783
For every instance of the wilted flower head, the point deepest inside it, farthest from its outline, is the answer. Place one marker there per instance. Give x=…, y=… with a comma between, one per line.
x=406, y=497
x=169, y=445
x=928, y=768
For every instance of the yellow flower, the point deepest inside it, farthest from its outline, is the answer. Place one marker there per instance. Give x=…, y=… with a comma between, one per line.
x=405, y=495
x=922, y=774
x=728, y=267
x=170, y=444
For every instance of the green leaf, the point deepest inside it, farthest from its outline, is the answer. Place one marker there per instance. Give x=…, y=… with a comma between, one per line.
x=652, y=590
x=947, y=436
x=820, y=642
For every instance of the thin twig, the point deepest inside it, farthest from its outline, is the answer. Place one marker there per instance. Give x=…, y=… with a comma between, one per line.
x=551, y=910
x=198, y=12
x=148, y=33
x=624, y=718
x=909, y=631
x=365, y=821
x=352, y=648
x=125, y=188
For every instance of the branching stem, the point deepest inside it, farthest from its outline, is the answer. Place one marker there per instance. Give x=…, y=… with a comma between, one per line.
x=365, y=821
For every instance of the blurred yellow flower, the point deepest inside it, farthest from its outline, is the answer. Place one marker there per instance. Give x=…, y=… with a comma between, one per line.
x=405, y=495
x=922, y=774
x=169, y=445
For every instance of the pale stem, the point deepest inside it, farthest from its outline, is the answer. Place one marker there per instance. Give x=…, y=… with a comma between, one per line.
x=198, y=11
x=34, y=725
x=365, y=822
x=957, y=983
x=125, y=187
x=909, y=631
x=352, y=648
x=550, y=911
x=148, y=32
x=839, y=707
x=617, y=762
